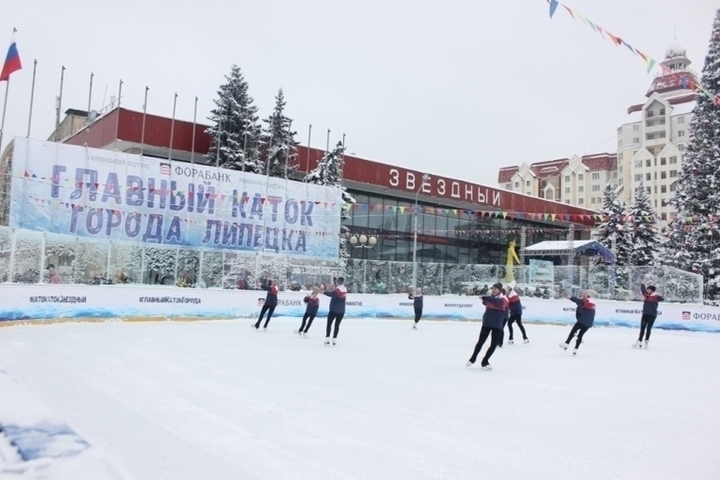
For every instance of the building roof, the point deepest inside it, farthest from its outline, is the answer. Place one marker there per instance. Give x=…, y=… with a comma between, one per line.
x=562, y=247
x=552, y=168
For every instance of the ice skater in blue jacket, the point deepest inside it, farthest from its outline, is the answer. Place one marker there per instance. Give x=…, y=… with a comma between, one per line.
x=585, y=315
x=417, y=299
x=650, y=310
x=336, y=310
x=313, y=303
x=495, y=307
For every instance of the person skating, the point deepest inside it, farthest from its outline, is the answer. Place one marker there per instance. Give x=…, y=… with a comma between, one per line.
x=585, y=315
x=417, y=299
x=336, y=311
x=492, y=324
x=506, y=317
x=516, y=311
x=270, y=303
x=650, y=308
x=313, y=303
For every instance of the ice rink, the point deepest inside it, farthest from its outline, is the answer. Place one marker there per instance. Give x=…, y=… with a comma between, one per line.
x=218, y=400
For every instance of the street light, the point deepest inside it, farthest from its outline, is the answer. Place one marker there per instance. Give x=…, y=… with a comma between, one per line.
x=363, y=242
x=425, y=178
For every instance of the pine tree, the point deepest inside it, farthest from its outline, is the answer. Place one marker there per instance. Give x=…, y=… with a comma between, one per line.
x=278, y=141
x=235, y=131
x=329, y=173
x=642, y=226
x=693, y=239
x=613, y=233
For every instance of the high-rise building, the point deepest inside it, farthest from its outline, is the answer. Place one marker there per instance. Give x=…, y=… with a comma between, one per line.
x=652, y=141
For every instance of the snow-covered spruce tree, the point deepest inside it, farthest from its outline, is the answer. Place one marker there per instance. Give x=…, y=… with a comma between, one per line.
x=235, y=132
x=643, y=231
x=329, y=173
x=613, y=231
x=693, y=242
x=278, y=141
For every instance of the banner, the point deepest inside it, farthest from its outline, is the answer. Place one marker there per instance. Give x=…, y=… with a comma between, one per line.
x=110, y=195
x=48, y=302
x=541, y=271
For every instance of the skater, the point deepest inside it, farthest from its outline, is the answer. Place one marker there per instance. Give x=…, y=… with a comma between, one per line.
x=313, y=303
x=492, y=324
x=506, y=317
x=270, y=303
x=585, y=315
x=417, y=299
x=650, y=306
x=516, y=311
x=336, y=310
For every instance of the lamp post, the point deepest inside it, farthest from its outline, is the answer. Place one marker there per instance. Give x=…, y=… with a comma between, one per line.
x=363, y=242
x=425, y=178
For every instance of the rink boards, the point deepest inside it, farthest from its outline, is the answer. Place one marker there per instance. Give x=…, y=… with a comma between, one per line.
x=138, y=302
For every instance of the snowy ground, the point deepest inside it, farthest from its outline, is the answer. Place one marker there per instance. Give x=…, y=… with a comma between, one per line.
x=218, y=400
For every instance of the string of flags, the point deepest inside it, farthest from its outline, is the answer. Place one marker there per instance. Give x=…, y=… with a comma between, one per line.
x=686, y=81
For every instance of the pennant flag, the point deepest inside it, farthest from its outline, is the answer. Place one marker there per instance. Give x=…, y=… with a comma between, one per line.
x=553, y=6
x=12, y=62
x=650, y=65
x=569, y=11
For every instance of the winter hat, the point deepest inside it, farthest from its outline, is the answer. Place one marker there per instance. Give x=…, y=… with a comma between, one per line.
x=497, y=285
x=511, y=285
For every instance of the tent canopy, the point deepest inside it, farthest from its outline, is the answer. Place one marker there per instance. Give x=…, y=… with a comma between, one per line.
x=564, y=248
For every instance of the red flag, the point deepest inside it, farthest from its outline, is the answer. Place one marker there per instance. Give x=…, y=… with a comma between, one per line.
x=12, y=62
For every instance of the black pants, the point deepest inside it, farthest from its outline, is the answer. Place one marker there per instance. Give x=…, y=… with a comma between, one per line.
x=308, y=317
x=646, y=324
x=575, y=329
x=333, y=316
x=502, y=333
x=418, y=314
x=517, y=319
x=494, y=342
x=269, y=311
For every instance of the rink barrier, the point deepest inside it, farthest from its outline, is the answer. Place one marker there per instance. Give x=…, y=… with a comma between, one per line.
x=51, y=302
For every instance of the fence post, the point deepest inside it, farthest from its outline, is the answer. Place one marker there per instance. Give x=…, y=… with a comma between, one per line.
x=12, y=255
x=41, y=266
x=142, y=264
x=177, y=260
x=109, y=253
x=199, y=277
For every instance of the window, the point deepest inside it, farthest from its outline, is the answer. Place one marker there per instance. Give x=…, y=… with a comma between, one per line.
x=615, y=174
x=673, y=160
x=567, y=178
x=596, y=188
x=543, y=183
x=581, y=177
x=655, y=175
x=636, y=128
x=663, y=216
x=663, y=161
x=681, y=119
x=649, y=136
x=638, y=163
x=648, y=163
x=620, y=156
x=508, y=186
x=581, y=201
x=596, y=176
x=638, y=177
x=592, y=200
x=581, y=189
x=567, y=200
x=681, y=147
x=655, y=202
x=673, y=173
x=636, y=140
x=663, y=174
x=528, y=192
x=527, y=183
x=662, y=111
x=662, y=135
x=620, y=181
x=681, y=133
x=648, y=190
x=648, y=176
x=663, y=189
x=655, y=189
x=517, y=184
x=672, y=187
x=567, y=190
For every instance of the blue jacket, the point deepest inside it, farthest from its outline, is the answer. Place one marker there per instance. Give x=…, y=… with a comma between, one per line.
x=650, y=305
x=337, y=296
x=515, y=304
x=585, y=311
x=495, y=308
x=272, y=292
x=313, y=303
x=417, y=300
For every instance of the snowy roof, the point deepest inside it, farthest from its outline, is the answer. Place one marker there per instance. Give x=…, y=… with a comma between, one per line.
x=560, y=247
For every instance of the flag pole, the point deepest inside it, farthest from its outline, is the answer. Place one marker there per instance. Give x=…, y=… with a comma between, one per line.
x=2, y=124
x=87, y=128
x=308, y=149
x=117, y=123
x=327, y=147
x=142, y=135
x=32, y=97
x=59, y=105
x=172, y=127
x=192, y=146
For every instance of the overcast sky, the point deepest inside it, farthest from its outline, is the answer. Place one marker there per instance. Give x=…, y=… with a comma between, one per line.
x=454, y=87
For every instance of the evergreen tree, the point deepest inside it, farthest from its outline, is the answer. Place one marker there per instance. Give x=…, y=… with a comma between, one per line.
x=278, y=141
x=613, y=231
x=693, y=240
x=642, y=226
x=329, y=173
x=235, y=131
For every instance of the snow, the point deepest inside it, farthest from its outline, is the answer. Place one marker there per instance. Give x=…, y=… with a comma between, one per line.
x=216, y=399
x=557, y=245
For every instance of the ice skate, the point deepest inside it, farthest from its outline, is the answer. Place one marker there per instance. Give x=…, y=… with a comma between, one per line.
x=264, y=329
x=511, y=342
x=469, y=363
x=646, y=344
x=297, y=332
x=637, y=344
x=526, y=341
x=414, y=326
x=574, y=351
x=327, y=340
x=304, y=334
x=334, y=341
x=487, y=367
x=564, y=346
x=252, y=325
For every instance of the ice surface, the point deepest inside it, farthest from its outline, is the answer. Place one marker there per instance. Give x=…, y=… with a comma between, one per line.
x=219, y=400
